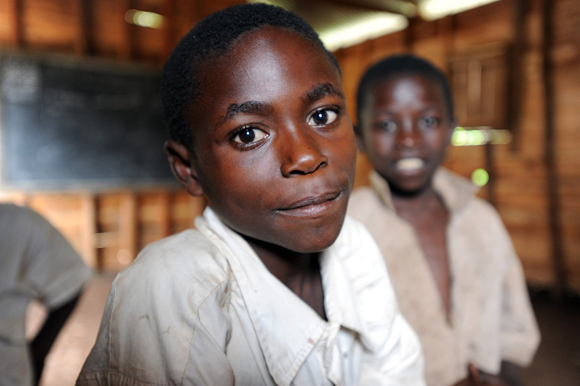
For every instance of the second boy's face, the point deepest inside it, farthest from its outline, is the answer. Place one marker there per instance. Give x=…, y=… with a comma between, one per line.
x=405, y=129
x=274, y=148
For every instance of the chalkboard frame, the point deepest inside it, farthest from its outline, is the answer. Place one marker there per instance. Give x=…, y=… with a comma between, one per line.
x=146, y=130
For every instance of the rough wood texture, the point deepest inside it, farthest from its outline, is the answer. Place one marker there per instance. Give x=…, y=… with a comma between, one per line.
x=522, y=179
x=521, y=173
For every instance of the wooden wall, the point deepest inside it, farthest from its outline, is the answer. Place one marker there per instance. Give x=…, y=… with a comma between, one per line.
x=107, y=228
x=110, y=227
x=521, y=177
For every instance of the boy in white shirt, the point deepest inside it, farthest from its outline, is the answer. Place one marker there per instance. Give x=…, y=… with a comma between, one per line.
x=274, y=287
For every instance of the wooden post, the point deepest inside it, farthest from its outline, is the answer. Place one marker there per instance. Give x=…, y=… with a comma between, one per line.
x=165, y=213
x=17, y=33
x=125, y=38
x=516, y=74
x=128, y=224
x=490, y=167
x=408, y=44
x=168, y=27
x=551, y=164
x=89, y=230
x=84, y=44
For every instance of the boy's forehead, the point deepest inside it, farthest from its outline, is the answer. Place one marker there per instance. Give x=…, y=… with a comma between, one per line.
x=258, y=63
x=407, y=87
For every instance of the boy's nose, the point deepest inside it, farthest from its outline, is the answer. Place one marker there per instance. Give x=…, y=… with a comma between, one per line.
x=300, y=154
x=409, y=135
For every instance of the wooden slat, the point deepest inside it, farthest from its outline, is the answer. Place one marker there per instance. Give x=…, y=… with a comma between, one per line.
x=85, y=44
x=550, y=130
x=89, y=216
x=165, y=213
x=15, y=11
x=128, y=224
x=125, y=38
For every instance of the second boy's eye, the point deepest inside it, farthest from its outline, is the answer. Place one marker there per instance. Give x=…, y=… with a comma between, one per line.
x=388, y=126
x=323, y=117
x=428, y=122
x=248, y=136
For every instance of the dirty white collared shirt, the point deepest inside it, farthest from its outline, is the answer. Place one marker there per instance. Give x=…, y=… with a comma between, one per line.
x=491, y=316
x=200, y=308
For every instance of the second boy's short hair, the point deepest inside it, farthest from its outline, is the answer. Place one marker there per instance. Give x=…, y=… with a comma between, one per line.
x=211, y=38
x=398, y=65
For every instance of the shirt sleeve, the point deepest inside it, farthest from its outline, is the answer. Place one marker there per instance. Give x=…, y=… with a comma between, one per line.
x=520, y=335
x=393, y=356
x=164, y=323
x=52, y=269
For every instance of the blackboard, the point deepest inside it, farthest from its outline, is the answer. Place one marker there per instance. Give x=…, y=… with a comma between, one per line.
x=80, y=124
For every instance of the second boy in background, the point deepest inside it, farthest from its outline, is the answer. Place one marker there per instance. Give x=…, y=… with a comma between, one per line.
x=457, y=278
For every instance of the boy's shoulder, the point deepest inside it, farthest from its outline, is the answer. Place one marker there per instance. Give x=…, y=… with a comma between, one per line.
x=363, y=198
x=187, y=262
x=356, y=248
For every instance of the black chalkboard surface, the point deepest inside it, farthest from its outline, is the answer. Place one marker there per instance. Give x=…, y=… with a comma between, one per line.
x=77, y=124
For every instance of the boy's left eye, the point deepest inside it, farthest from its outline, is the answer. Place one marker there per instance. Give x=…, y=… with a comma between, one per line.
x=428, y=122
x=249, y=135
x=323, y=117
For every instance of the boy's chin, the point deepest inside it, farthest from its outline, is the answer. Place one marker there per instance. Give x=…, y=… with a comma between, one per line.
x=306, y=241
x=409, y=190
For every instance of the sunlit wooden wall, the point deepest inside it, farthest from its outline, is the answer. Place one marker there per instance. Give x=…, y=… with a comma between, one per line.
x=110, y=227
x=521, y=183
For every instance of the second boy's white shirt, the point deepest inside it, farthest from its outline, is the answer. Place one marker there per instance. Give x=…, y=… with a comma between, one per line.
x=200, y=308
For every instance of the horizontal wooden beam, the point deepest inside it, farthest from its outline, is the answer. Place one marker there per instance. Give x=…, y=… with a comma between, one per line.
x=405, y=8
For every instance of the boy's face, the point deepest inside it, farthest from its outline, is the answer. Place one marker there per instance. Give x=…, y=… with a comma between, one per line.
x=405, y=128
x=274, y=149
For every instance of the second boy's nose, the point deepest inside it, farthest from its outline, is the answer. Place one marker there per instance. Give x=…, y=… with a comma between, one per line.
x=408, y=135
x=300, y=154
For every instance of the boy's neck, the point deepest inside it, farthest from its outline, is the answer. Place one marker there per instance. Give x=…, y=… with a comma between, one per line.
x=417, y=203
x=300, y=272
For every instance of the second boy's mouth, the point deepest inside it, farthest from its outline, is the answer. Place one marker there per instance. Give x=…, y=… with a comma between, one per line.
x=312, y=206
x=409, y=165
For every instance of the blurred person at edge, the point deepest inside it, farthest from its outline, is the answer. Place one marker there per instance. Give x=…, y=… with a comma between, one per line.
x=36, y=263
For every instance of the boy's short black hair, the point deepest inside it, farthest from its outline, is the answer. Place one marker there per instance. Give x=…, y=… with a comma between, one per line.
x=210, y=38
x=402, y=65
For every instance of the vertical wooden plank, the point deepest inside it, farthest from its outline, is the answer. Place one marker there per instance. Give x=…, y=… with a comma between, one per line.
x=15, y=10
x=516, y=75
x=89, y=215
x=165, y=213
x=559, y=262
x=125, y=38
x=169, y=25
x=447, y=29
x=84, y=44
x=128, y=225
x=409, y=36
x=490, y=168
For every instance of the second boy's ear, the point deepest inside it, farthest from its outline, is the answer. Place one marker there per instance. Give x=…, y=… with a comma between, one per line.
x=179, y=157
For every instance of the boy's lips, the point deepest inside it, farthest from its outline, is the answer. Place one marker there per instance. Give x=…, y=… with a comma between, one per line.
x=312, y=206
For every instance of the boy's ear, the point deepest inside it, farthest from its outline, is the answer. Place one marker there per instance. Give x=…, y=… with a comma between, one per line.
x=179, y=157
x=360, y=144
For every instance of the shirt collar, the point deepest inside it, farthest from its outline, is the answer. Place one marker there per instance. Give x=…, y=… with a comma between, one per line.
x=454, y=190
x=285, y=346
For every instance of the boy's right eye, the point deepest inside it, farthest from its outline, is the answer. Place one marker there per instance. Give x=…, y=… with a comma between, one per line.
x=388, y=126
x=248, y=137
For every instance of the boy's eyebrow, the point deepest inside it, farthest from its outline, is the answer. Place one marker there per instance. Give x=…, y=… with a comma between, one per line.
x=321, y=90
x=248, y=107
